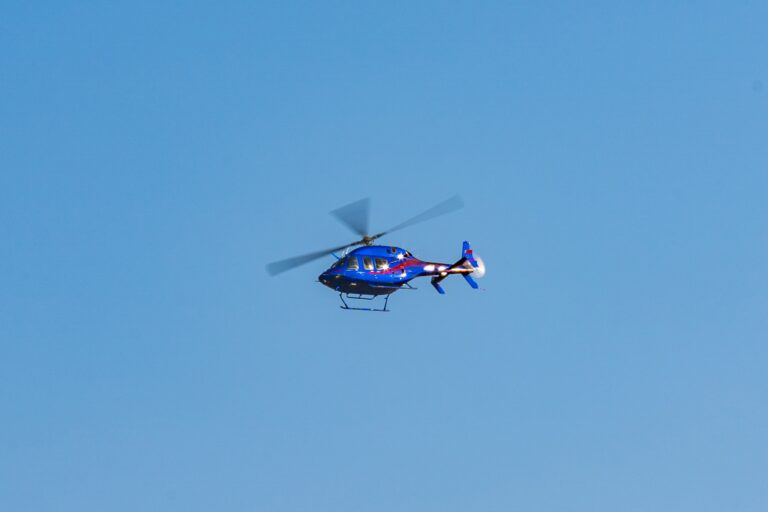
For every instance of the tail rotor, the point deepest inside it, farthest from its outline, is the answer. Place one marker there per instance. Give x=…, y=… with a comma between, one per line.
x=479, y=271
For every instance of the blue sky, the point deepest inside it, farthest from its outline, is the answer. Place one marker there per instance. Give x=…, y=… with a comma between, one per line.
x=155, y=156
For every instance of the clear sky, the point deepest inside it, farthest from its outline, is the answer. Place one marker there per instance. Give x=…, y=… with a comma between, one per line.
x=154, y=156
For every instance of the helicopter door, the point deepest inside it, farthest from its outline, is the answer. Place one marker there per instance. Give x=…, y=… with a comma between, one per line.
x=367, y=263
x=368, y=270
x=381, y=264
x=353, y=265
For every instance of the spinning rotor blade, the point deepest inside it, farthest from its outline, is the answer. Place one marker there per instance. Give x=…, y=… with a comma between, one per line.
x=448, y=206
x=355, y=216
x=278, y=267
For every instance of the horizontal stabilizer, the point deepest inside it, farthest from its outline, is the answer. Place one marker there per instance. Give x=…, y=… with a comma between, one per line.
x=436, y=284
x=471, y=281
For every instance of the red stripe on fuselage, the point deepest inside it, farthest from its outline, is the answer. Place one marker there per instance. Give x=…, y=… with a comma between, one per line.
x=400, y=266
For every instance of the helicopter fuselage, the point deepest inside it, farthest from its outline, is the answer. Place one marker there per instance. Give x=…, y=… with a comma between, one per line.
x=371, y=271
x=381, y=270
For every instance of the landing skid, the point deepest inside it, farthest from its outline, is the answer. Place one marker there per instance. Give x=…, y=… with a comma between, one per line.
x=360, y=296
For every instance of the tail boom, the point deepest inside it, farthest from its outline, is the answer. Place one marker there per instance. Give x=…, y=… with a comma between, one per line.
x=465, y=266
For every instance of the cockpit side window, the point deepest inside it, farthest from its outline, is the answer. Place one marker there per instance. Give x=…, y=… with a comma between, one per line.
x=352, y=263
x=381, y=264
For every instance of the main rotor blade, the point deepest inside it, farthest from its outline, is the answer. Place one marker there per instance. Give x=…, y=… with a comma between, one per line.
x=278, y=267
x=448, y=206
x=355, y=215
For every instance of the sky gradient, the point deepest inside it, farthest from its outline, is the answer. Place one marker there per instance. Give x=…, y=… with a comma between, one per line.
x=614, y=165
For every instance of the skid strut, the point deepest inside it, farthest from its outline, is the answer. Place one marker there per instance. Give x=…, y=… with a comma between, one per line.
x=360, y=296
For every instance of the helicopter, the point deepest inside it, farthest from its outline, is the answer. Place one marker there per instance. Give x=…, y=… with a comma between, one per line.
x=370, y=271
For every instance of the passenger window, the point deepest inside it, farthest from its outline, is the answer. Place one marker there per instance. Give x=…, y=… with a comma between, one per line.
x=352, y=263
x=367, y=263
x=381, y=264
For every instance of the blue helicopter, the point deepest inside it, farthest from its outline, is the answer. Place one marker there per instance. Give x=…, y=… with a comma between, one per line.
x=370, y=271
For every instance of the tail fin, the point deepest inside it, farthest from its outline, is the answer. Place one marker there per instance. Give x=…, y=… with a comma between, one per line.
x=465, y=266
x=466, y=253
